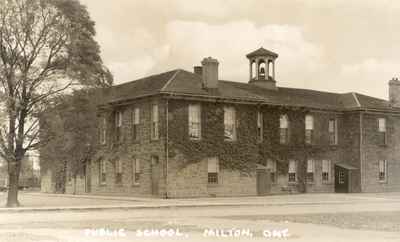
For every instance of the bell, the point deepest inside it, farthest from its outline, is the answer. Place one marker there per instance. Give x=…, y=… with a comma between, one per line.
x=262, y=71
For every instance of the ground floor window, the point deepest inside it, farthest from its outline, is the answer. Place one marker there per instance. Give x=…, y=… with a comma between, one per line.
x=310, y=171
x=118, y=175
x=326, y=170
x=292, y=171
x=102, y=173
x=135, y=171
x=271, y=165
x=382, y=170
x=341, y=177
x=213, y=170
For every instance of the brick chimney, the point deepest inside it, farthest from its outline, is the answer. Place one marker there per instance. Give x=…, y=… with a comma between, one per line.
x=394, y=92
x=210, y=73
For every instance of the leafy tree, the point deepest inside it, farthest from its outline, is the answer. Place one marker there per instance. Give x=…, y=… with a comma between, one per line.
x=46, y=46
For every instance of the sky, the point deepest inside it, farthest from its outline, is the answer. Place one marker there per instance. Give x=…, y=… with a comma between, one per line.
x=336, y=45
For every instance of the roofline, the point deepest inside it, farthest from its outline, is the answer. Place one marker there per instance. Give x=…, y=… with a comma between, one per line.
x=244, y=101
x=170, y=80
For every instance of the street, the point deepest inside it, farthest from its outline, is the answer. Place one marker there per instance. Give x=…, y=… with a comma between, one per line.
x=361, y=217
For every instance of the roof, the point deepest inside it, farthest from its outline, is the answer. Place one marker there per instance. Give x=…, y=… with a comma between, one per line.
x=185, y=83
x=262, y=52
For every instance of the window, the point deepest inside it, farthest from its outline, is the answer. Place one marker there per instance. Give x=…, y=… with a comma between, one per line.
x=213, y=170
x=292, y=171
x=118, y=174
x=333, y=137
x=194, y=121
x=230, y=123
x=310, y=171
x=309, y=129
x=382, y=170
x=284, y=129
x=135, y=171
x=382, y=130
x=154, y=122
x=103, y=135
x=102, y=173
x=271, y=165
x=135, y=123
x=326, y=170
x=118, y=126
x=260, y=124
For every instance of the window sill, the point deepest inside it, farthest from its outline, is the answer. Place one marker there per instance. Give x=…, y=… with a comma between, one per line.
x=230, y=140
x=135, y=184
x=383, y=182
x=103, y=184
x=195, y=139
x=212, y=184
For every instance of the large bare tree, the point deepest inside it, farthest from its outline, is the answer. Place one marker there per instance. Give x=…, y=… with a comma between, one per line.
x=45, y=47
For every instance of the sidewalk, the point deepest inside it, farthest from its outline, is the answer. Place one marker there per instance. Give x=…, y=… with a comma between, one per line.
x=35, y=202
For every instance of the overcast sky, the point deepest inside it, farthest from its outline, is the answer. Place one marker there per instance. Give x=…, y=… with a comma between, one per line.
x=338, y=46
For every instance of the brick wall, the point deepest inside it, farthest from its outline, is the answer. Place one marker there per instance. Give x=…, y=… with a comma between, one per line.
x=374, y=150
x=143, y=149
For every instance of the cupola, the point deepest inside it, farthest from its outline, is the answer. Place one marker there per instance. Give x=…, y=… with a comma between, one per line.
x=262, y=68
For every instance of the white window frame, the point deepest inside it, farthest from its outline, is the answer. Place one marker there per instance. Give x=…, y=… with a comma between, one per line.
x=103, y=172
x=194, y=113
x=271, y=165
x=135, y=123
x=382, y=129
x=118, y=171
x=103, y=137
x=136, y=171
x=284, y=125
x=292, y=170
x=310, y=170
x=118, y=125
x=154, y=122
x=333, y=130
x=382, y=167
x=309, y=128
x=213, y=169
x=230, y=123
x=326, y=164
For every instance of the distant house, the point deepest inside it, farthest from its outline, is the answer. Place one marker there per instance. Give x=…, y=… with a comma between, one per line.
x=190, y=134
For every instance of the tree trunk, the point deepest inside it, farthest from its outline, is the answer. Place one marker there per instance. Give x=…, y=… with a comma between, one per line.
x=13, y=183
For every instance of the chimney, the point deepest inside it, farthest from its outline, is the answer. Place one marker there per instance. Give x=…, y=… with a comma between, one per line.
x=394, y=92
x=198, y=70
x=210, y=73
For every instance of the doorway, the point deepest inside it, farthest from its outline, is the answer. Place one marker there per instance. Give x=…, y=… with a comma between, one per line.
x=263, y=182
x=341, y=179
x=155, y=175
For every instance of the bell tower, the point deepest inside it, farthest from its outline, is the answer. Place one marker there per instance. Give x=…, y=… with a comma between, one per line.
x=262, y=68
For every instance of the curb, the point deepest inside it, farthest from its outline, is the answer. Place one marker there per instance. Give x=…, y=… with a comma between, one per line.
x=163, y=206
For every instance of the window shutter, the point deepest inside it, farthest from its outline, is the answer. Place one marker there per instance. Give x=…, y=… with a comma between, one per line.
x=310, y=166
x=137, y=165
x=382, y=125
x=136, y=116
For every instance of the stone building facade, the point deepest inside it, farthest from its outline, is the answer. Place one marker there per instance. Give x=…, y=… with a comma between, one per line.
x=189, y=134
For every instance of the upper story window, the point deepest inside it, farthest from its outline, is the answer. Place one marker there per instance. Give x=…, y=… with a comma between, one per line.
x=310, y=170
x=333, y=133
x=118, y=126
x=382, y=170
x=326, y=170
x=135, y=123
x=230, y=123
x=103, y=131
x=154, y=122
x=292, y=171
x=118, y=169
x=213, y=170
x=194, y=121
x=284, y=129
x=309, y=120
x=382, y=130
x=260, y=124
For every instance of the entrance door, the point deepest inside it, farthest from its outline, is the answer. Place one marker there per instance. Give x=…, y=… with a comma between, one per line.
x=341, y=180
x=263, y=182
x=155, y=175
